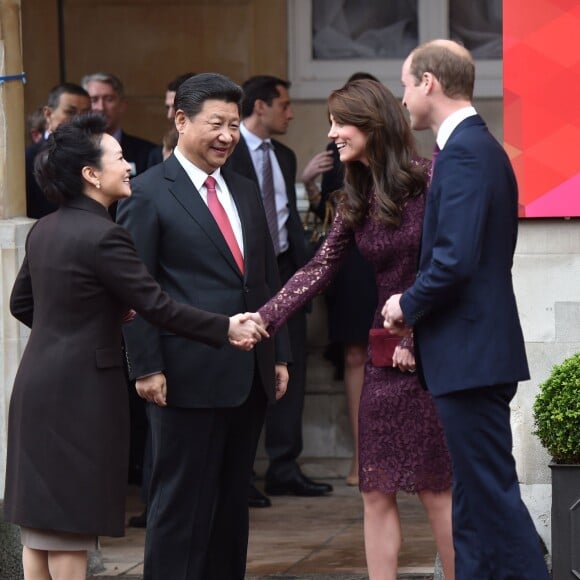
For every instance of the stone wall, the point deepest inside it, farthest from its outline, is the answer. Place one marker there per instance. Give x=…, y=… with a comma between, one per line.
x=547, y=278
x=13, y=335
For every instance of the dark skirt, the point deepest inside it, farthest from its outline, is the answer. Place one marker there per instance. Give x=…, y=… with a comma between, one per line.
x=352, y=301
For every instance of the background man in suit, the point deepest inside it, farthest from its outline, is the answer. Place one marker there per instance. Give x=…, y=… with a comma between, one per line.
x=64, y=102
x=209, y=405
x=36, y=125
x=266, y=112
x=468, y=339
x=108, y=96
x=157, y=154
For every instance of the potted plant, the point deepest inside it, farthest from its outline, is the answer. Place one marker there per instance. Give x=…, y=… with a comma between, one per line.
x=557, y=420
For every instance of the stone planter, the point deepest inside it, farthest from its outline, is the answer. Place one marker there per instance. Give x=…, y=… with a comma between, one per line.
x=565, y=522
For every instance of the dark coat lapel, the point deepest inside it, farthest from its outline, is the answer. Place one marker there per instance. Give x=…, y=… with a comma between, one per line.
x=186, y=194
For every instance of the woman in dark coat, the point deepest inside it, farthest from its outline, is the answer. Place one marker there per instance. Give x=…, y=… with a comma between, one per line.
x=68, y=429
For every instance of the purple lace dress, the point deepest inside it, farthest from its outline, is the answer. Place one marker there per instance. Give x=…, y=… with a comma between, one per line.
x=401, y=442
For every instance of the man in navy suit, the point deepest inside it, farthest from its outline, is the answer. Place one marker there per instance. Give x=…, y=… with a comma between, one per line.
x=209, y=405
x=468, y=339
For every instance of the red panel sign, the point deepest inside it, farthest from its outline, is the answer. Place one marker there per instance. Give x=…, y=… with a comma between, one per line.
x=541, y=55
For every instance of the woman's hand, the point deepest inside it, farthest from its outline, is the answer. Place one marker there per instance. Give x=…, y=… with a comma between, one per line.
x=404, y=360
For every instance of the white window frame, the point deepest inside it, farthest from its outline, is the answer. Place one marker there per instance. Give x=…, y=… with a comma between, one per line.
x=316, y=79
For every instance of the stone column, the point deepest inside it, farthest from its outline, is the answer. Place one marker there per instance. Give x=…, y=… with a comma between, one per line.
x=12, y=141
x=13, y=338
x=13, y=231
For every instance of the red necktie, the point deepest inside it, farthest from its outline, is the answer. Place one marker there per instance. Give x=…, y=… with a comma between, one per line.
x=221, y=218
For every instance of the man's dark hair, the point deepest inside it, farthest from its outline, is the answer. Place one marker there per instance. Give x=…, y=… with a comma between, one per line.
x=193, y=92
x=178, y=81
x=72, y=146
x=69, y=89
x=263, y=88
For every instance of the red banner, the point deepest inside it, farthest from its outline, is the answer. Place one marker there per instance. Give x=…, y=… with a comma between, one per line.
x=541, y=57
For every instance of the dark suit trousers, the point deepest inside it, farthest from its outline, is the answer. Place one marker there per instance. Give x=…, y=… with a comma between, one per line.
x=283, y=439
x=493, y=533
x=197, y=527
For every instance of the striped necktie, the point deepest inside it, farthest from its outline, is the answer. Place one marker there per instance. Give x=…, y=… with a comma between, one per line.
x=268, y=195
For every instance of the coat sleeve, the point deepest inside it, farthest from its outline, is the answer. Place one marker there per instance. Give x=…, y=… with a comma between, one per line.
x=125, y=276
x=21, y=299
x=138, y=216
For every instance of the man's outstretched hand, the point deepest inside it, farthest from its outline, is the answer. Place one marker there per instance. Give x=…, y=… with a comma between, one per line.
x=245, y=331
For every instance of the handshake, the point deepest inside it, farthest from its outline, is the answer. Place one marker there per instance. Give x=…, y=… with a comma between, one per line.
x=246, y=330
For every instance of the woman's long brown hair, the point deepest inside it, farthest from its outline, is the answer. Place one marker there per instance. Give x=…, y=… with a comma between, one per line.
x=392, y=171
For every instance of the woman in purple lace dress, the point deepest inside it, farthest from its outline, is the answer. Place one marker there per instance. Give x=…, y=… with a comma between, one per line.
x=401, y=443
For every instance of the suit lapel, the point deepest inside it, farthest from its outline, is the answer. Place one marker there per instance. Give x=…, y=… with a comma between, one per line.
x=181, y=187
x=245, y=166
x=240, y=197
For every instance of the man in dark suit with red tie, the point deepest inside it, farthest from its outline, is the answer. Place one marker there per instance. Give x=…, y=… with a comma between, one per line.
x=266, y=112
x=208, y=406
x=468, y=339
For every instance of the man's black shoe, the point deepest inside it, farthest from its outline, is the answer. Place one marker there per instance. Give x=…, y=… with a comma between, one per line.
x=298, y=484
x=257, y=499
x=139, y=521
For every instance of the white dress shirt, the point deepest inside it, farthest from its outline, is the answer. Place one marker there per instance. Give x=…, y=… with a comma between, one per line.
x=281, y=197
x=450, y=124
x=198, y=178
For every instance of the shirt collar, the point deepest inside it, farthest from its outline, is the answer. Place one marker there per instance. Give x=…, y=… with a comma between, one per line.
x=252, y=140
x=450, y=124
x=197, y=175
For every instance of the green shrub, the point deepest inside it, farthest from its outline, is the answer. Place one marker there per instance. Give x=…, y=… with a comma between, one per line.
x=557, y=412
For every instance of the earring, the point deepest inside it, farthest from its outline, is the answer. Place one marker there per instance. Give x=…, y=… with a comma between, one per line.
x=98, y=185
